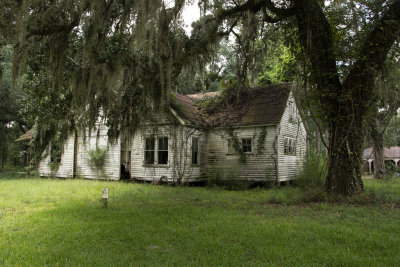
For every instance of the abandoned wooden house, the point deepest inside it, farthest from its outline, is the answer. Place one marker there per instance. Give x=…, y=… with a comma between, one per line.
x=391, y=156
x=259, y=138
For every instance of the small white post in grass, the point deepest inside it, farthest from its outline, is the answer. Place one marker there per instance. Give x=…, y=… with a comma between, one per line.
x=105, y=196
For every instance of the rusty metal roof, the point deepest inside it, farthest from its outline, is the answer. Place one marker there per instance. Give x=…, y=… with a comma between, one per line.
x=388, y=153
x=264, y=106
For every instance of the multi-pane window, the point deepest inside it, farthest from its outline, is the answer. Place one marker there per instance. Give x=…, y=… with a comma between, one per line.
x=149, y=151
x=246, y=145
x=195, y=150
x=163, y=150
x=289, y=146
x=156, y=151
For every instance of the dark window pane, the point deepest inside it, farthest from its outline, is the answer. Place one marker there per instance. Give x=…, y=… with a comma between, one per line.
x=162, y=150
x=195, y=144
x=150, y=143
x=195, y=157
x=195, y=150
x=162, y=157
x=246, y=145
x=162, y=143
x=149, y=151
x=149, y=157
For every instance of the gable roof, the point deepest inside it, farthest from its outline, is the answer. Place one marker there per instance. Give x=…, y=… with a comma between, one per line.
x=187, y=109
x=26, y=136
x=264, y=106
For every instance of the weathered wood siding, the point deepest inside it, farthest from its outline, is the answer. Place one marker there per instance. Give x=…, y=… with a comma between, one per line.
x=179, y=154
x=292, y=127
x=67, y=161
x=98, y=138
x=258, y=166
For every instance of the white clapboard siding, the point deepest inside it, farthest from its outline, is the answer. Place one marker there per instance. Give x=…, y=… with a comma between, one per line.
x=67, y=161
x=179, y=154
x=291, y=165
x=258, y=167
x=191, y=172
x=89, y=141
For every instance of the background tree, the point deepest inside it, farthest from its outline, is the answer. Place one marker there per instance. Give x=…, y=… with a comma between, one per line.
x=388, y=89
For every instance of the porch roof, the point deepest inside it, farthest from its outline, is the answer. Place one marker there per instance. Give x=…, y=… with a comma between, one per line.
x=388, y=153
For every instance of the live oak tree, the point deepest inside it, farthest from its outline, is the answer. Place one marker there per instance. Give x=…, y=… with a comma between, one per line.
x=136, y=49
x=344, y=103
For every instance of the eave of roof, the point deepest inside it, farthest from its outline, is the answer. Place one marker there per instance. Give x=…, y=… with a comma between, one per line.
x=26, y=136
x=388, y=153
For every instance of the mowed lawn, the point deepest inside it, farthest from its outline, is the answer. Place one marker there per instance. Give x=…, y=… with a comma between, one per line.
x=63, y=223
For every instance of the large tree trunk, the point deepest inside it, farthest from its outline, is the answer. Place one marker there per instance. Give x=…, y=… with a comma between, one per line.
x=344, y=104
x=344, y=157
x=379, y=160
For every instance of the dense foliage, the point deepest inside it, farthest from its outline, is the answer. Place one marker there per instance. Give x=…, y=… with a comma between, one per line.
x=124, y=57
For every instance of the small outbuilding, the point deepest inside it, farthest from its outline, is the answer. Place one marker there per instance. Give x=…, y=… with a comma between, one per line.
x=391, y=156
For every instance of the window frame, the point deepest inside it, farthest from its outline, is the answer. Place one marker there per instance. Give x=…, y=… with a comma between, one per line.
x=149, y=150
x=156, y=151
x=289, y=146
x=242, y=141
x=163, y=150
x=195, y=151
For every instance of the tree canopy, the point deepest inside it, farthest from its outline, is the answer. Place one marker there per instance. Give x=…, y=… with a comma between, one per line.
x=119, y=55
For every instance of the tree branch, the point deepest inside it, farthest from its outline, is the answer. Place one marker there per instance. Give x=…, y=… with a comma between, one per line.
x=373, y=54
x=316, y=37
x=281, y=12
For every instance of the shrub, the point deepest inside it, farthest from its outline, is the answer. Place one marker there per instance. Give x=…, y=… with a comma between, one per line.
x=227, y=180
x=54, y=166
x=313, y=173
x=97, y=158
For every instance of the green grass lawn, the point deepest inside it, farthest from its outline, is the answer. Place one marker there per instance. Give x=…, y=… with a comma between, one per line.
x=62, y=223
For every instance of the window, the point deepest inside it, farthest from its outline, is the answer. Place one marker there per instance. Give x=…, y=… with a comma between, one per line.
x=156, y=151
x=149, y=151
x=246, y=145
x=55, y=152
x=289, y=146
x=163, y=150
x=195, y=150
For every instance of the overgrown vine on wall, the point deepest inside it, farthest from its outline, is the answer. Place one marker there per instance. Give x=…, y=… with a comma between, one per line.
x=236, y=145
x=261, y=141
